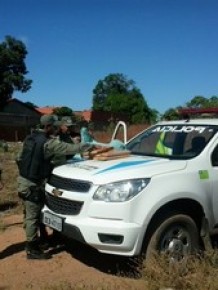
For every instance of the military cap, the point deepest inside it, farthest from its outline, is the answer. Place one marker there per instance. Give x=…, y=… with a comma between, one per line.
x=48, y=120
x=67, y=121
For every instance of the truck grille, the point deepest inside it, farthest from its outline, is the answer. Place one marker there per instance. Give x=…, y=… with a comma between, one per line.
x=62, y=205
x=69, y=184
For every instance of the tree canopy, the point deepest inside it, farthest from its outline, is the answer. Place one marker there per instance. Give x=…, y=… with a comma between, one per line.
x=12, y=68
x=63, y=111
x=115, y=93
x=171, y=114
x=197, y=102
x=67, y=112
x=202, y=102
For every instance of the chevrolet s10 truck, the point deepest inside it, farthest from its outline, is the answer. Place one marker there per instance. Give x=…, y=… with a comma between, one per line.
x=159, y=197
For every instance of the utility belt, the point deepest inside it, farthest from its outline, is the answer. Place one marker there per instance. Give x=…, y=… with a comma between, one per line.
x=33, y=194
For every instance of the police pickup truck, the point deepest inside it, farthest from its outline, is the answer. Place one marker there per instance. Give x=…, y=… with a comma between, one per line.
x=162, y=196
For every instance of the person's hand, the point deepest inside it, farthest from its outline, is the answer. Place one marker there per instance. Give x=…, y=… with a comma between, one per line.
x=86, y=147
x=96, y=150
x=100, y=149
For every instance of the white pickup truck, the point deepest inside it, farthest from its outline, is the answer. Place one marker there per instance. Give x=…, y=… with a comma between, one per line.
x=157, y=198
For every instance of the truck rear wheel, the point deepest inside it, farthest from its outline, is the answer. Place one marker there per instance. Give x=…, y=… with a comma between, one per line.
x=176, y=236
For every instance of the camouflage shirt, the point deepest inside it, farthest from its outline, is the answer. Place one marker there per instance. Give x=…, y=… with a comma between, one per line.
x=56, y=151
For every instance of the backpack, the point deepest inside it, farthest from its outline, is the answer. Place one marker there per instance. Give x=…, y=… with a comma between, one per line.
x=31, y=163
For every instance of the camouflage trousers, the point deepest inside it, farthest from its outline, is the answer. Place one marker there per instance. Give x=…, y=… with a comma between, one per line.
x=32, y=224
x=32, y=196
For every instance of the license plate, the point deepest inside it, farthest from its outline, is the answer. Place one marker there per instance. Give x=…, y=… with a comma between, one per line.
x=53, y=221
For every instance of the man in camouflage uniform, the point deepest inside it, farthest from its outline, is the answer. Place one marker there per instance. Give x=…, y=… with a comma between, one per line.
x=65, y=128
x=31, y=185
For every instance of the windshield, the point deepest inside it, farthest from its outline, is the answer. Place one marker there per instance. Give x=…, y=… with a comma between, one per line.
x=172, y=141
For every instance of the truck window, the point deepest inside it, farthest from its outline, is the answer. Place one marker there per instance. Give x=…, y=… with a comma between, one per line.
x=172, y=141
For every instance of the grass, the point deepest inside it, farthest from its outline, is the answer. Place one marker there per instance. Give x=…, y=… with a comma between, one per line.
x=83, y=286
x=9, y=200
x=2, y=226
x=196, y=273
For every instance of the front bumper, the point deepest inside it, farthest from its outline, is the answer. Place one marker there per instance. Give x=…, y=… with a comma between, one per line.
x=106, y=235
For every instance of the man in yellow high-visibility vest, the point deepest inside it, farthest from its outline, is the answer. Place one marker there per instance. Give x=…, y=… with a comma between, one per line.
x=161, y=148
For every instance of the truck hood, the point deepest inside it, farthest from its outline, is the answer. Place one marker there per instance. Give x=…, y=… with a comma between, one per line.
x=100, y=172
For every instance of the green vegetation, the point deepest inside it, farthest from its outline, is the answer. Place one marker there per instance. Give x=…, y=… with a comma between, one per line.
x=9, y=201
x=12, y=68
x=63, y=111
x=202, y=102
x=198, y=102
x=194, y=273
x=67, y=112
x=115, y=93
x=158, y=274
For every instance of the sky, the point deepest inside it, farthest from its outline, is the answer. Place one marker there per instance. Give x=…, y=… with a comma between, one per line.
x=169, y=48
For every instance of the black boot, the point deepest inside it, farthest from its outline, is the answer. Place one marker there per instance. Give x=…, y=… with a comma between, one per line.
x=44, y=244
x=56, y=240
x=34, y=252
x=43, y=238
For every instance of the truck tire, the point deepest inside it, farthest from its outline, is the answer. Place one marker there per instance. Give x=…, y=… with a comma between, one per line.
x=176, y=235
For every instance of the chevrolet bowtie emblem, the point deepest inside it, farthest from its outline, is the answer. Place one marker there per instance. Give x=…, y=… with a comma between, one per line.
x=57, y=192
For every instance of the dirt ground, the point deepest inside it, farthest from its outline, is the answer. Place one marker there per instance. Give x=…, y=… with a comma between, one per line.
x=73, y=266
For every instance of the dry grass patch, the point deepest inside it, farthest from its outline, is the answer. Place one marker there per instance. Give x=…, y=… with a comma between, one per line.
x=2, y=226
x=194, y=273
x=9, y=200
x=84, y=286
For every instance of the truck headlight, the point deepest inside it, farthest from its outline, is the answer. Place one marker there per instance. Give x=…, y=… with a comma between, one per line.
x=120, y=191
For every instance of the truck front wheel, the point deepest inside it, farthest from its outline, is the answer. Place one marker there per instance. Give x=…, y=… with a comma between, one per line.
x=176, y=235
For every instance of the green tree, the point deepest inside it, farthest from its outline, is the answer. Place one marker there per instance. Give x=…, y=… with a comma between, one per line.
x=117, y=94
x=66, y=112
x=155, y=116
x=171, y=114
x=213, y=101
x=12, y=68
x=111, y=84
x=198, y=102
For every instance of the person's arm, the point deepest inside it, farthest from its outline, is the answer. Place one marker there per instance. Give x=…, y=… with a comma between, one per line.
x=1, y=184
x=56, y=148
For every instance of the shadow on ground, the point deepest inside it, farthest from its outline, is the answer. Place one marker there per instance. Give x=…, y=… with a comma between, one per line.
x=7, y=205
x=12, y=249
x=110, y=264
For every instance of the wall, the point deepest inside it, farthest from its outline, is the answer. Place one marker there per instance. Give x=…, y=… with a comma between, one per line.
x=17, y=120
